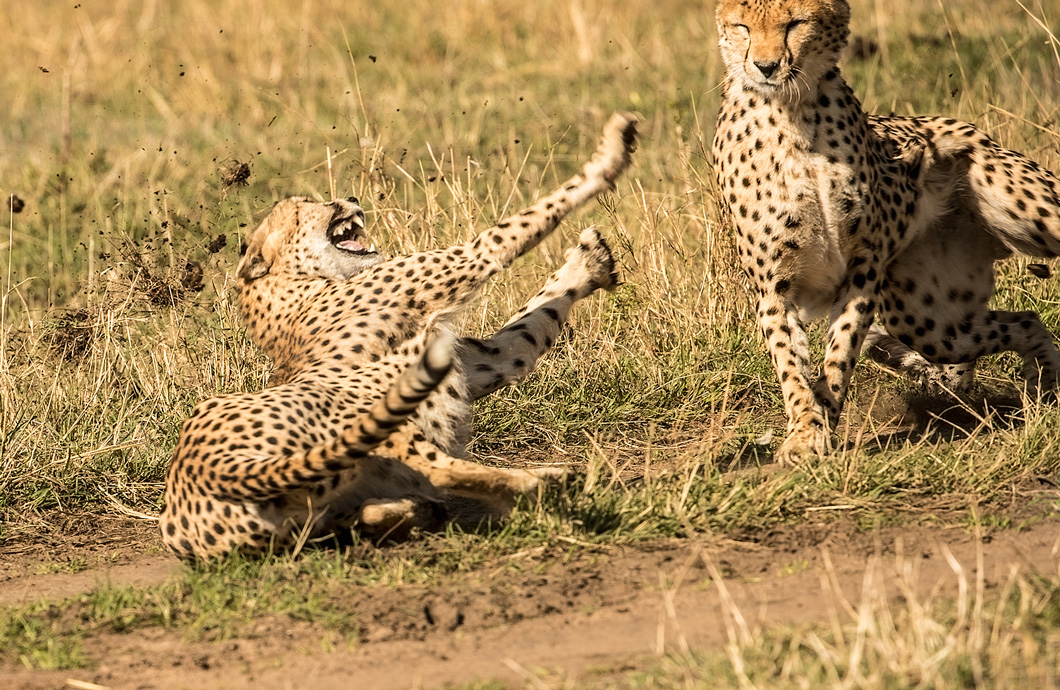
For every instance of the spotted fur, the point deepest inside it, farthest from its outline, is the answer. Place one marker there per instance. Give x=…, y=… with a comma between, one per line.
x=842, y=214
x=368, y=415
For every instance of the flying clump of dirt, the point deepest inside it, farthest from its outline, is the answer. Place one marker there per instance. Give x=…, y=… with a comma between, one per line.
x=861, y=49
x=217, y=244
x=234, y=174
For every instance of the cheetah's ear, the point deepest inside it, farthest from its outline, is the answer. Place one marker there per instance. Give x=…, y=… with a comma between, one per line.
x=259, y=252
x=259, y=255
x=253, y=265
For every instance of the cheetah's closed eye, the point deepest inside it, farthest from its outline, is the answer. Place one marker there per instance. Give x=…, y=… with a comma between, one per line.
x=371, y=408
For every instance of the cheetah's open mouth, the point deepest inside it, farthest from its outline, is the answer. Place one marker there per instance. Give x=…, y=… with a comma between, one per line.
x=346, y=232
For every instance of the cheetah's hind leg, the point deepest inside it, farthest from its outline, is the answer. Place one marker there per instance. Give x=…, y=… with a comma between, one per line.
x=497, y=487
x=493, y=491
x=394, y=518
x=512, y=353
x=945, y=379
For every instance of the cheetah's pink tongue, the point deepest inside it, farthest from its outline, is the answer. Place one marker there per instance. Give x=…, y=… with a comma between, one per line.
x=351, y=246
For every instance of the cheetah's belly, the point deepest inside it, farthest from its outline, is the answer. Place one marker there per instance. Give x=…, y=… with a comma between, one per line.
x=445, y=418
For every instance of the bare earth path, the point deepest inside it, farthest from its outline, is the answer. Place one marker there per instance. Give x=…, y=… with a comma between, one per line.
x=608, y=608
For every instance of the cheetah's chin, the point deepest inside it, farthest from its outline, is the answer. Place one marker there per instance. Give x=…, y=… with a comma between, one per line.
x=764, y=87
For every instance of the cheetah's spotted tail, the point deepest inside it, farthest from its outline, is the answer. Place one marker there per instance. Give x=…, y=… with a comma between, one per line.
x=309, y=468
x=404, y=396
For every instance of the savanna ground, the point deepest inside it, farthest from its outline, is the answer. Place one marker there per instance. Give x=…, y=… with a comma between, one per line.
x=141, y=140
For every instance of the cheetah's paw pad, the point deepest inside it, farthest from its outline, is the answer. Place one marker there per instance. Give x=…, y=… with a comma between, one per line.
x=593, y=255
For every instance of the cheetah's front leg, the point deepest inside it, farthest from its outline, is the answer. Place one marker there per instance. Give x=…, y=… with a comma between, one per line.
x=785, y=335
x=497, y=247
x=512, y=353
x=517, y=234
x=394, y=518
x=852, y=316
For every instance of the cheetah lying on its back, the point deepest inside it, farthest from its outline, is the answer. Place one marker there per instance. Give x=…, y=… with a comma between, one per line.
x=854, y=216
x=373, y=398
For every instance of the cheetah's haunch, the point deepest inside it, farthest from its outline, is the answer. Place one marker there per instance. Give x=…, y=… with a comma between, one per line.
x=372, y=398
x=853, y=216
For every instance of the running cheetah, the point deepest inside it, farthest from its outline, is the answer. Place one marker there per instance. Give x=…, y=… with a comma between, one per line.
x=843, y=214
x=370, y=405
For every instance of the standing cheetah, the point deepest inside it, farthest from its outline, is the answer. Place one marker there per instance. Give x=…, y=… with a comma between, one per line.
x=853, y=216
x=371, y=403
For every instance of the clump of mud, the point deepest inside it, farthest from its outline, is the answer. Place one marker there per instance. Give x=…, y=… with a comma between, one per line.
x=234, y=174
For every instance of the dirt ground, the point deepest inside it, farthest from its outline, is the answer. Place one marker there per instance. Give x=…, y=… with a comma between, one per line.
x=605, y=608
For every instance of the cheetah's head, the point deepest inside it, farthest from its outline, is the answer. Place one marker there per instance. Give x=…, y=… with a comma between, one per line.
x=781, y=47
x=309, y=238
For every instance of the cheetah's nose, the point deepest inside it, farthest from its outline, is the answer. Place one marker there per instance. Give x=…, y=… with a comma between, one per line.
x=767, y=68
